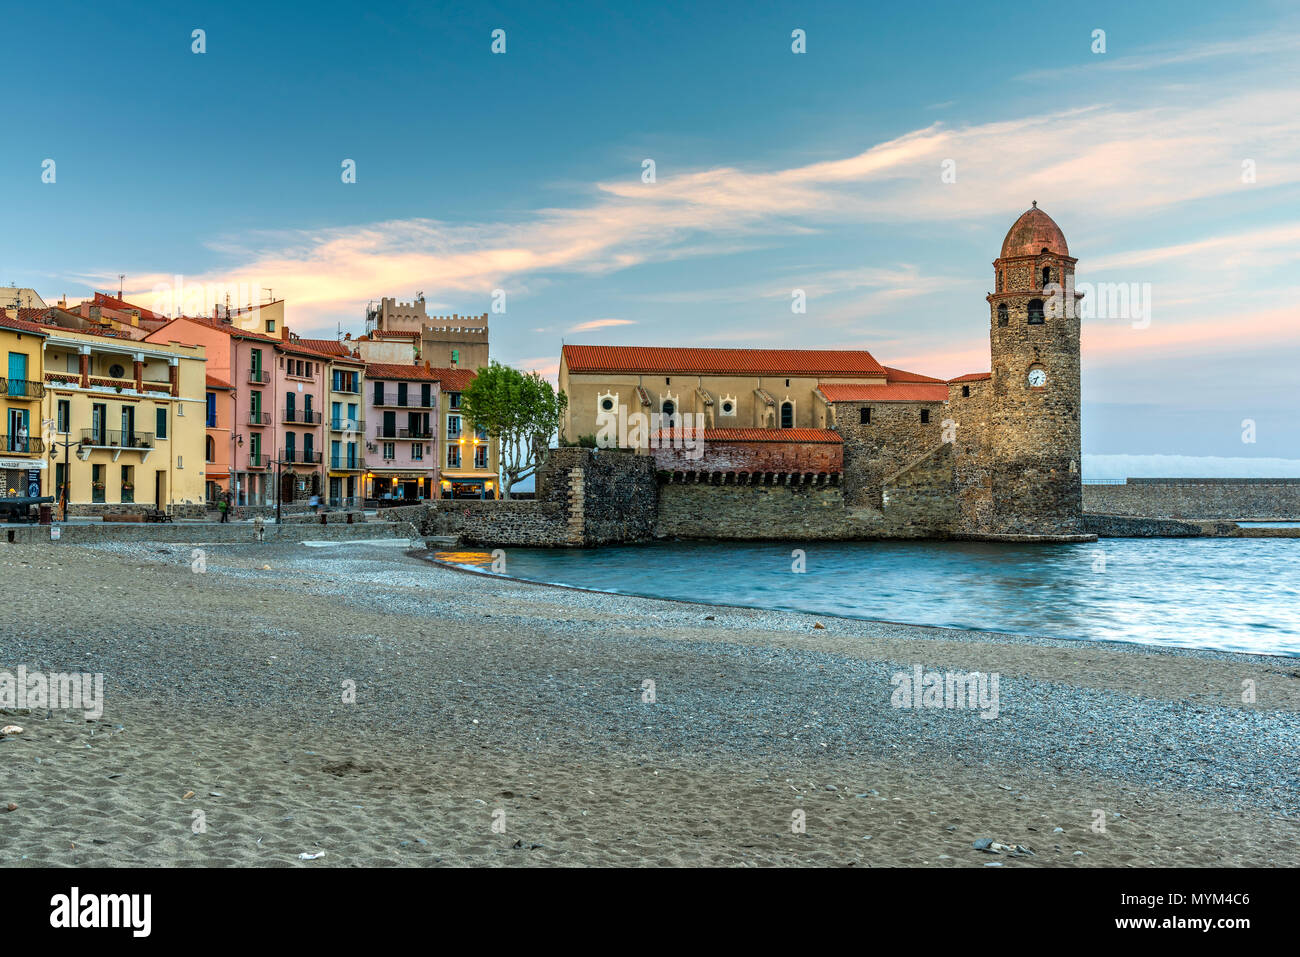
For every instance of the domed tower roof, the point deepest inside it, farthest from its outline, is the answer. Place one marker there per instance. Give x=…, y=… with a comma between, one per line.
x=1032, y=233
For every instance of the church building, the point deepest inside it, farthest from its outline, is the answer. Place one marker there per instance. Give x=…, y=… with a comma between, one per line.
x=985, y=455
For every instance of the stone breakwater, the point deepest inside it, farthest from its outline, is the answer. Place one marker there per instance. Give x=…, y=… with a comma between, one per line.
x=1242, y=500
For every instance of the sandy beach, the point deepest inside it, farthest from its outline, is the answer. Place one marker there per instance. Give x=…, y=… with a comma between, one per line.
x=504, y=723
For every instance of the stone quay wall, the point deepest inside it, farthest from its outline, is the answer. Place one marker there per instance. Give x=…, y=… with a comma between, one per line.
x=201, y=533
x=1242, y=500
x=584, y=497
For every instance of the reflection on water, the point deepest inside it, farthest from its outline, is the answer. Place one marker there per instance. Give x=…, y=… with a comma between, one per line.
x=1228, y=594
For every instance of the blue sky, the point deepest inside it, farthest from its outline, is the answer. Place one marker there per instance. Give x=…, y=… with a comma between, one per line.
x=774, y=172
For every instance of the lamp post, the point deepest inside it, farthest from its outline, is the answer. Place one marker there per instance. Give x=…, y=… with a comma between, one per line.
x=67, y=473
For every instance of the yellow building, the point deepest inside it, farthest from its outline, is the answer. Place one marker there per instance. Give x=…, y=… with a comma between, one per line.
x=125, y=424
x=469, y=459
x=22, y=459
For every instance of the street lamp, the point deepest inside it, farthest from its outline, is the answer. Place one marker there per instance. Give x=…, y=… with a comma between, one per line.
x=67, y=472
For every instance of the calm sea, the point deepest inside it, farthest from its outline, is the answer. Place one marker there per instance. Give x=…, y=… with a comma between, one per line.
x=1227, y=594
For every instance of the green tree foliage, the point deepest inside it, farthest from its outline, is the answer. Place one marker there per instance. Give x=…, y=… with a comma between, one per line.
x=520, y=411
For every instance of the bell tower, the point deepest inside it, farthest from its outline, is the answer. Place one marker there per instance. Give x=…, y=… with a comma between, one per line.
x=1034, y=442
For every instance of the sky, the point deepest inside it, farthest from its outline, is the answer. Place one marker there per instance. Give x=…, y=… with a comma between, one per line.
x=877, y=172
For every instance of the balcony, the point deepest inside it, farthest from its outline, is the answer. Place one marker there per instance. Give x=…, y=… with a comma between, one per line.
x=22, y=444
x=259, y=419
x=344, y=464
x=412, y=401
x=116, y=442
x=259, y=461
x=344, y=425
x=300, y=417
x=300, y=457
x=258, y=376
x=425, y=432
x=22, y=388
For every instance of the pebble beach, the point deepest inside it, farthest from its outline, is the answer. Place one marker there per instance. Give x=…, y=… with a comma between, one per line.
x=358, y=704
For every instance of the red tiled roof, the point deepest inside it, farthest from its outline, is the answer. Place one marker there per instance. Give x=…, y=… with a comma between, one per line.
x=776, y=362
x=393, y=370
x=900, y=375
x=455, y=380
x=825, y=436
x=215, y=383
x=330, y=347
x=225, y=327
x=903, y=392
x=972, y=377
x=19, y=324
x=112, y=302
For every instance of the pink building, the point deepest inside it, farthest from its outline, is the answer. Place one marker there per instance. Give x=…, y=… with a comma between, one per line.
x=276, y=396
x=401, y=403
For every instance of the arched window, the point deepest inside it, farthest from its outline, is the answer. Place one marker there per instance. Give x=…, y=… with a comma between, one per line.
x=1035, y=312
x=1002, y=314
x=670, y=412
x=787, y=415
x=1047, y=275
x=211, y=450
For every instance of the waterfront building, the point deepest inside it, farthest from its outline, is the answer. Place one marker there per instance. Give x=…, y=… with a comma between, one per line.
x=219, y=429
x=401, y=413
x=125, y=421
x=468, y=458
x=345, y=424
x=277, y=395
x=22, y=391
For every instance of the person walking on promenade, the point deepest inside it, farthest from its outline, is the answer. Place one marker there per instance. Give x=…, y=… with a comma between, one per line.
x=223, y=506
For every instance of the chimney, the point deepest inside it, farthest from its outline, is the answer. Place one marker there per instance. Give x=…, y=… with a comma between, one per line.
x=96, y=314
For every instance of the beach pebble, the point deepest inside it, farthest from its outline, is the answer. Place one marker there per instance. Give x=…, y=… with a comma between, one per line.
x=818, y=625
x=11, y=806
x=10, y=729
x=304, y=856
x=187, y=795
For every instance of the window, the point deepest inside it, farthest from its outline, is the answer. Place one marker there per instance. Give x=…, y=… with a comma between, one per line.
x=453, y=456
x=426, y=394
x=669, y=409
x=97, y=483
x=864, y=415
x=270, y=325
x=925, y=415
x=379, y=393
x=1035, y=312
x=417, y=451
x=453, y=400
x=1047, y=275
x=453, y=426
x=210, y=450
x=160, y=421
x=1002, y=314
x=787, y=415
x=390, y=450
x=965, y=392
x=728, y=407
x=65, y=414
x=787, y=383
x=128, y=483
x=607, y=404
x=667, y=381
x=212, y=410
x=480, y=457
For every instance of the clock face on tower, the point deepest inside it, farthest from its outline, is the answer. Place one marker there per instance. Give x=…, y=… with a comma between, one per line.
x=1037, y=378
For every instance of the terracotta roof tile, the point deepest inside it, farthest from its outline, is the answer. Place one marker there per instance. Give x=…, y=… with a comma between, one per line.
x=455, y=380
x=215, y=383
x=901, y=375
x=393, y=370
x=20, y=324
x=972, y=377
x=112, y=302
x=902, y=392
x=691, y=361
